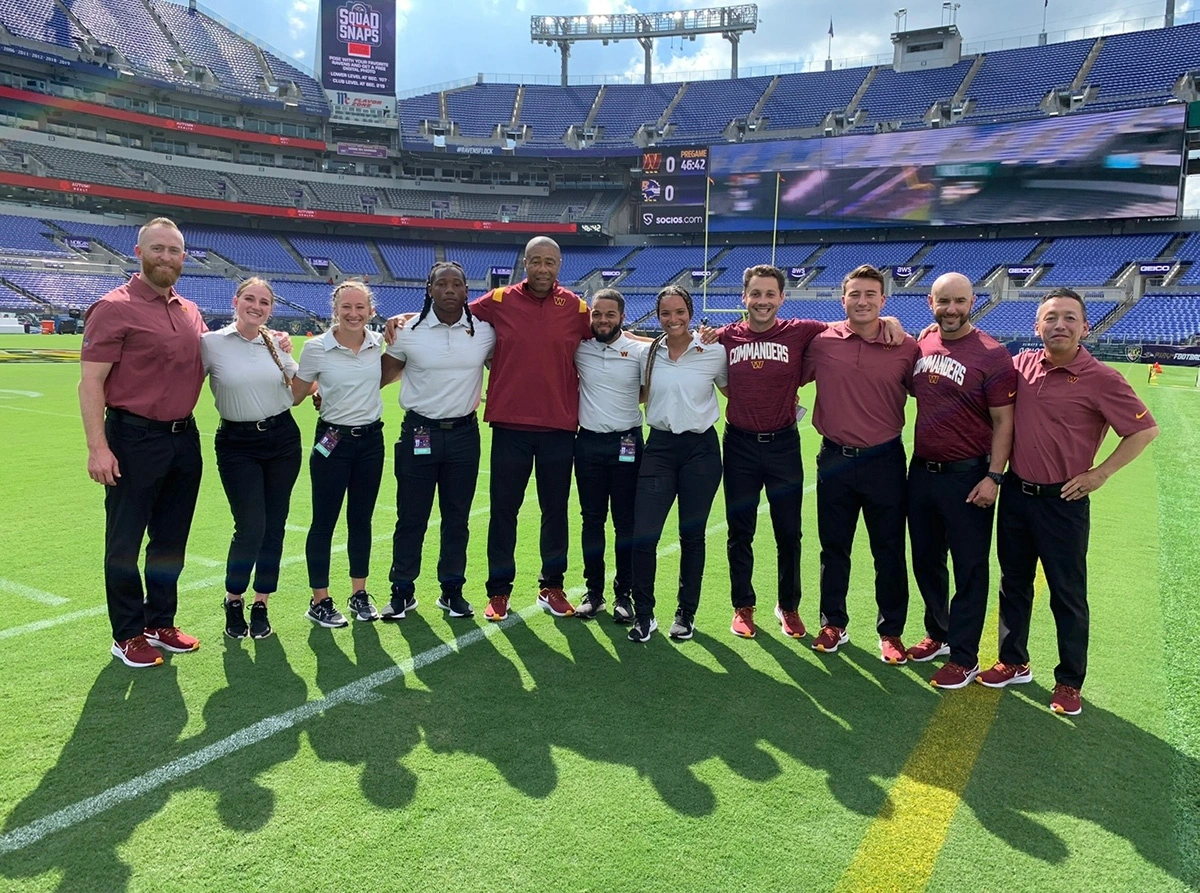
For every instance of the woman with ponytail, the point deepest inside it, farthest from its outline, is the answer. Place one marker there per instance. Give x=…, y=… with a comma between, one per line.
x=258, y=449
x=682, y=459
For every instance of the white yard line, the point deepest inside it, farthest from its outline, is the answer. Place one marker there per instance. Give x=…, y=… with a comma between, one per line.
x=34, y=595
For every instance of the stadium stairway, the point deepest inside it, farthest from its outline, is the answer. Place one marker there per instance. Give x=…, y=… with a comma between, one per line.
x=385, y=274
x=298, y=257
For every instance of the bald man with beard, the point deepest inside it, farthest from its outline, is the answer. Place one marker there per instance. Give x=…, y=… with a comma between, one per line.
x=965, y=385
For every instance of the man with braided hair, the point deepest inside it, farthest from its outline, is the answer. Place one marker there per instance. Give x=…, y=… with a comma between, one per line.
x=439, y=358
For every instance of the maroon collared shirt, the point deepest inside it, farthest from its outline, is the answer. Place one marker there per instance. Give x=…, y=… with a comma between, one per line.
x=533, y=384
x=1064, y=412
x=957, y=383
x=153, y=344
x=764, y=372
x=861, y=385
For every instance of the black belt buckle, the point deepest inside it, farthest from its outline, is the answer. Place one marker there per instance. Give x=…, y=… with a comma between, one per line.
x=358, y=430
x=1030, y=489
x=262, y=424
x=179, y=426
x=935, y=467
x=764, y=438
x=848, y=452
x=446, y=426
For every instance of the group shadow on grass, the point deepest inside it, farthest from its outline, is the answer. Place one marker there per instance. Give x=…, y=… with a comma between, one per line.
x=660, y=709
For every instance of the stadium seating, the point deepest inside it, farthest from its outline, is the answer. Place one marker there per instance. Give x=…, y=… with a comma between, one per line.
x=838, y=260
x=626, y=107
x=658, y=265
x=1018, y=80
x=350, y=254
x=707, y=107
x=478, y=260
x=478, y=109
x=803, y=100
x=1135, y=68
x=549, y=111
x=42, y=20
x=907, y=96
x=25, y=235
x=76, y=291
x=1016, y=318
x=248, y=249
x=1159, y=318
x=1093, y=260
x=407, y=260
x=416, y=109
x=734, y=263
x=974, y=259
x=578, y=263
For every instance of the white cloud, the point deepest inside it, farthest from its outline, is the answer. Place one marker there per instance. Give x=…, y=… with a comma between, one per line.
x=298, y=54
x=297, y=19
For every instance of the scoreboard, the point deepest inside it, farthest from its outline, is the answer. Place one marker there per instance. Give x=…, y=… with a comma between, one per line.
x=671, y=189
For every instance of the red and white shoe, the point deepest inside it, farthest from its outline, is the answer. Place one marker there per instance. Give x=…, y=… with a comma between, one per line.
x=927, y=649
x=136, y=652
x=790, y=623
x=829, y=638
x=891, y=650
x=1066, y=700
x=743, y=622
x=497, y=608
x=1002, y=674
x=172, y=638
x=555, y=601
x=954, y=675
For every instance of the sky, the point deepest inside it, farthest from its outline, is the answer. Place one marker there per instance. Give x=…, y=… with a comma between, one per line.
x=448, y=40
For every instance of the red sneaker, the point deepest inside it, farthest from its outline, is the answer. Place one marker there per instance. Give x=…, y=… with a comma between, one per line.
x=555, y=601
x=927, y=649
x=136, y=653
x=891, y=650
x=1065, y=700
x=1003, y=674
x=497, y=608
x=743, y=622
x=790, y=623
x=172, y=638
x=954, y=675
x=829, y=638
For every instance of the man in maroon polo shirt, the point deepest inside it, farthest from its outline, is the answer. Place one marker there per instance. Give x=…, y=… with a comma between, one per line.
x=965, y=386
x=141, y=363
x=1066, y=402
x=862, y=385
x=533, y=408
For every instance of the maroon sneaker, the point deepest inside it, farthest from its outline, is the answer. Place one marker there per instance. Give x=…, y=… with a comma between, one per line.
x=136, y=653
x=829, y=638
x=790, y=623
x=1003, y=674
x=497, y=608
x=172, y=638
x=954, y=675
x=743, y=623
x=891, y=650
x=1065, y=700
x=555, y=601
x=927, y=649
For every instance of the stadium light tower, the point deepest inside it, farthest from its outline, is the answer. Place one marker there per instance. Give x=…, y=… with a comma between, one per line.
x=562, y=31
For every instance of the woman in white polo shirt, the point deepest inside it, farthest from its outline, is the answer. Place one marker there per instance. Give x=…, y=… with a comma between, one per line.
x=257, y=446
x=682, y=459
x=346, y=462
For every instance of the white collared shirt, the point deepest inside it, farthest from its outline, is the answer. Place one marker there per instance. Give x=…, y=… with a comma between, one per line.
x=349, y=381
x=681, y=396
x=443, y=371
x=610, y=378
x=246, y=384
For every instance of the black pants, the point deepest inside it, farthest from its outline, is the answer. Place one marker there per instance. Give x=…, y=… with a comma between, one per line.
x=687, y=466
x=451, y=468
x=602, y=479
x=156, y=493
x=874, y=484
x=941, y=521
x=258, y=470
x=752, y=462
x=514, y=456
x=352, y=472
x=1055, y=531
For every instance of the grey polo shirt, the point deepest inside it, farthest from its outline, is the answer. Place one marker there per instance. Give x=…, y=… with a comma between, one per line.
x=246, y=384
x=349, y=381
x=681, y=396
x=610, y=378
x=443, y=371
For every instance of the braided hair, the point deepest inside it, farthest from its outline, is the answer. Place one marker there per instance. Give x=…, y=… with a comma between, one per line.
x=671, y=291
x=436, y=270
x=360, y=285
x=263, y=330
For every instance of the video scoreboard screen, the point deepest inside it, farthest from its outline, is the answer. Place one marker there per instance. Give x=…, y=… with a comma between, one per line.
x=671, y=189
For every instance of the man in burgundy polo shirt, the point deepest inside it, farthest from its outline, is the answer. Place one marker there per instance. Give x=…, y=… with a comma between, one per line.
x=862, y=385
x=141, y=363
x=1066, y=402
x=533, y=408
x=965, y=386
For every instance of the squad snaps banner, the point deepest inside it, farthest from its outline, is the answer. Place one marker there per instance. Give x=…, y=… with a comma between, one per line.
x=358, y=60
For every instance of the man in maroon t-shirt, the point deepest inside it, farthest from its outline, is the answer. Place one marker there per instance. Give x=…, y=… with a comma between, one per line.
x=1066, y=402
x=965, y=386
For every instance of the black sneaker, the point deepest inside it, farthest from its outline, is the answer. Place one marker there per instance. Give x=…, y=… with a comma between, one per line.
x=455, y=605
x=642, y=628
x=325, y=614
x=623, y=609
x=260, y=626
x=235, y=619
x=398, y=606
x=684, y=625
x=362, y=608
x=591, y=605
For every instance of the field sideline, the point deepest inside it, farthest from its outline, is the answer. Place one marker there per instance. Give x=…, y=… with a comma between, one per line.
x=547, y=754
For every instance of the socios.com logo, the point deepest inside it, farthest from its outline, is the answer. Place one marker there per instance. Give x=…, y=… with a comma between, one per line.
x=647, y=219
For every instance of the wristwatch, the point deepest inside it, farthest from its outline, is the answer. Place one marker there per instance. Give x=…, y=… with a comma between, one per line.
x=997, y=477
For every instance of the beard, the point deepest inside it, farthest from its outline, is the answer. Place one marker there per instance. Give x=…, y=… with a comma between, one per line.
x=161, y=275
x=609, y=338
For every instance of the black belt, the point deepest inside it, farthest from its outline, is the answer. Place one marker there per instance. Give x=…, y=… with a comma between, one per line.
x=592, y=433
x=445, y=424
x=761, y=437
x=260, y=425
x=1031, y=489
x=353, y=430
x=952, y=467
x=140, y=421
x=859, y=452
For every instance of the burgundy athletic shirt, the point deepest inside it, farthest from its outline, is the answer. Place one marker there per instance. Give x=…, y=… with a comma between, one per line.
x=764, y=372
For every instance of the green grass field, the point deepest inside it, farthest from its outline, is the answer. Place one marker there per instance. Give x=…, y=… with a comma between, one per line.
x=549, y=754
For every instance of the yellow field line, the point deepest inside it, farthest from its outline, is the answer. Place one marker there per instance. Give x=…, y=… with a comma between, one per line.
x=902, y=844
